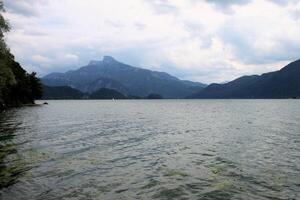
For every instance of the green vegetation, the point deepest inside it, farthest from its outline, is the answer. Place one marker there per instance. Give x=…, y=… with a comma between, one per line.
x=17, y=87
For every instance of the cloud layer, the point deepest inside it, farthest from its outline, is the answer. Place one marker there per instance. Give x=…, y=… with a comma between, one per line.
x=202, y=40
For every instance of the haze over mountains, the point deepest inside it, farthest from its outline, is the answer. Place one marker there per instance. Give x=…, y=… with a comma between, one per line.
x=112, y=74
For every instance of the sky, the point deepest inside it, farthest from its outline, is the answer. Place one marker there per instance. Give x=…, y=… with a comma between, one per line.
x=201, y=40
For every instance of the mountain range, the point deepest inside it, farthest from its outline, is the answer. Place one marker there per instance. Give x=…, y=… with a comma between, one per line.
x=284, y=83
x=131, y=81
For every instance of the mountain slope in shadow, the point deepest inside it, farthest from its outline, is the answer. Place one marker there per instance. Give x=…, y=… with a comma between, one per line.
x=284, y=83
x=112, y=74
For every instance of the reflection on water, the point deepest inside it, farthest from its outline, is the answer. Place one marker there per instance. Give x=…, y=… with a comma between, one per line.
x=193, y=149
x=11, y=164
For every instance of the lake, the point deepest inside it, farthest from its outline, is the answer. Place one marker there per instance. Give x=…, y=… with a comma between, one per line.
x=151, y=149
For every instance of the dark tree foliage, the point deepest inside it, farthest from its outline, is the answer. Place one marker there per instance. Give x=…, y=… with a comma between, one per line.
x=62, y=92
x=154, y=96
x=16, y=85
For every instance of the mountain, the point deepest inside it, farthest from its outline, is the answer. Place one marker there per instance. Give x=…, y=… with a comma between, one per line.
x=104, y=83
x=105, y=93
x=284, y=83
x=112, y=74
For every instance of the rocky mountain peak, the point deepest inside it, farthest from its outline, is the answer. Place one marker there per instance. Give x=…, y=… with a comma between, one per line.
x=108, y=59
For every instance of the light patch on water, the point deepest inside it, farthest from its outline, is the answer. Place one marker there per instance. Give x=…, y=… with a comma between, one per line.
x=175, y=172
x=225, y=185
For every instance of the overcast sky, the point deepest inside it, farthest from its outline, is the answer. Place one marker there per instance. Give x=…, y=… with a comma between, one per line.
x=200, y=40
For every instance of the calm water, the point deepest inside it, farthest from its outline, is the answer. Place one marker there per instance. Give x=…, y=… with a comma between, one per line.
x=163, y=149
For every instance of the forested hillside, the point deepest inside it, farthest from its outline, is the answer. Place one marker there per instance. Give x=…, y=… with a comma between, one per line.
x=17, y=87
x=281, y=84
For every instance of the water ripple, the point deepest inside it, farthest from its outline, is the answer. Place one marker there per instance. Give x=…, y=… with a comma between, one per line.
x=170, y=149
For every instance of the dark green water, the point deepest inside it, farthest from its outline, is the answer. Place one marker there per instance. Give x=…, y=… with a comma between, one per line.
x=162, y=149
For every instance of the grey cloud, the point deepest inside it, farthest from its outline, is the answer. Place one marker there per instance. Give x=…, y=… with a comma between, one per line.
x=162, y=6
x=196, y=31
x=296, y=14
x=145, y=53
x=139, y=26
x=36, y=32
x=115, y=24
x=286, y=49
x=244, y=50
x=23, y=7
x=228, y=3
x=283, y=2
x=220, y=71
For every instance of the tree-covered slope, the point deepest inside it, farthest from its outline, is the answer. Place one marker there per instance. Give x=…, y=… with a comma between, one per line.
x=66, y=92
x=16, y=85
x=284, y=83
x=61, y=92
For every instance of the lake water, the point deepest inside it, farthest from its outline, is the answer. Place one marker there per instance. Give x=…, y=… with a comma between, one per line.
x=160, y=149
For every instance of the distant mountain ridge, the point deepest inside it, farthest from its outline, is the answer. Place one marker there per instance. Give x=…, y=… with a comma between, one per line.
x=112, y=74
x=66, y=93
x=284, y=83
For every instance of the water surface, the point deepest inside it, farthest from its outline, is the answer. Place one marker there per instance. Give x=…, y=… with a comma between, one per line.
x=160, y=149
